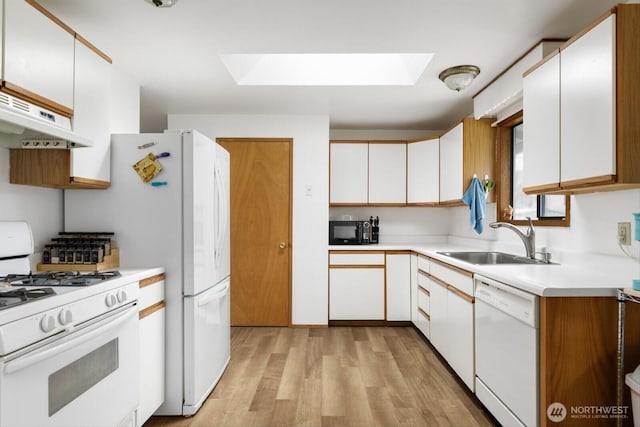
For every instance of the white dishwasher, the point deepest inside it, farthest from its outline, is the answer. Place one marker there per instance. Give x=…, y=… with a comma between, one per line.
x=506, y=321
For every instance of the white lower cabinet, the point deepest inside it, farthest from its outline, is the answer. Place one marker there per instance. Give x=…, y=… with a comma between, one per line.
x=398, y=270
x=451, y=313
x=438, y=317
x=356, y=293
x=152, y=360
x=460, y=346
x=370, y=285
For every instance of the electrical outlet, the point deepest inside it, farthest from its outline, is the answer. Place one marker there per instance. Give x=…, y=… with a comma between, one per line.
x=624, y=233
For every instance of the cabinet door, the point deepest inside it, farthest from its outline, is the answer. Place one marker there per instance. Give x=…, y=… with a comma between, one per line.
x=588, y=105
x=151, y=365
x=38, y=55
x=414, y=288
x=349, y=172
x=91, y=114
x=541, y=134
x=424, y=303
x=387, y=173
x=398, y=287
x=460, y=350
x=356, y=294
x=438, y=312
x=451, y=165
x=423, y=171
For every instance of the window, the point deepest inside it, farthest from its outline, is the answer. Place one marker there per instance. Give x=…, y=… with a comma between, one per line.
x=512, y=203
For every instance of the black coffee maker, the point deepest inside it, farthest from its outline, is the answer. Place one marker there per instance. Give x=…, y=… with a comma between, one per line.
x=375, y=229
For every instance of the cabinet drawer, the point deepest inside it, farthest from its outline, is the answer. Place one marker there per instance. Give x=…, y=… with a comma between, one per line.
x=424, y=282
x=424, y=324
x=357, y=258
x=463, y=281
x=423, y=300
x=151, y=293
x=423, y=263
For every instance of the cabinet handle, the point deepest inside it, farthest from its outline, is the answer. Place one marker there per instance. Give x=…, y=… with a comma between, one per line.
x=282, y=245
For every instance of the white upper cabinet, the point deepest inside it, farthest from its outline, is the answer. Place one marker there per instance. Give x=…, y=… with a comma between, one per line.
x=38, y=57
x=349, y=173
x=387, y=173
x=423, y=171
x=597, y=114
x=92, y=114
x=541, y=108
x=451, y=161
x=588, y=104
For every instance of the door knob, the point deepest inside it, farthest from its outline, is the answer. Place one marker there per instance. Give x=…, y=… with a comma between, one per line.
x=282, y=245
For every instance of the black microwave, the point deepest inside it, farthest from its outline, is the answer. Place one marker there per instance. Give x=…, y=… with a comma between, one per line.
x=352, y=233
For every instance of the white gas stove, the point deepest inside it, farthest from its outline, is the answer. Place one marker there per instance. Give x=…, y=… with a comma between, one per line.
x=68, y=341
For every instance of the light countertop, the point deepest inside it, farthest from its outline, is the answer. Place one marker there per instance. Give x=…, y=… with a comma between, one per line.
x=574, y=276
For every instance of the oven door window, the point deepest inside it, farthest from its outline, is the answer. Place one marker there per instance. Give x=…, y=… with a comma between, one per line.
x=66, y=384
x=88, y=377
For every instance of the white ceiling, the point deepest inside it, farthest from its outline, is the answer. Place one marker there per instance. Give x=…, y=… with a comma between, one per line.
x=174, y=53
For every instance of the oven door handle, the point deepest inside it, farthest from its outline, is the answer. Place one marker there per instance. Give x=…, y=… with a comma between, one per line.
x=76, y=339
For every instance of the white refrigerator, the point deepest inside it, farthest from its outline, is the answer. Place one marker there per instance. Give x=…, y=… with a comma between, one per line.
x=173, y=213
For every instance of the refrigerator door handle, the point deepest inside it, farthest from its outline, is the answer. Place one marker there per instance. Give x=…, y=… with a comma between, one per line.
x=221, y=215
x=214, y=297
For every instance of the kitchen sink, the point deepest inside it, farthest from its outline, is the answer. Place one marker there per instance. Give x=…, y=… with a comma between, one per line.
x=492, y=258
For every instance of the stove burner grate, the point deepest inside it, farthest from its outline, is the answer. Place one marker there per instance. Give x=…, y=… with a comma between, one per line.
x=13, y=297
x=59, y=278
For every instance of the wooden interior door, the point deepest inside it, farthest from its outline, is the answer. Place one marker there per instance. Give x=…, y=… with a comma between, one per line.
x=261, y=172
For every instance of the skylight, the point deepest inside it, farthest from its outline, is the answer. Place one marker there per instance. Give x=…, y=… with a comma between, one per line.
x=327, y=69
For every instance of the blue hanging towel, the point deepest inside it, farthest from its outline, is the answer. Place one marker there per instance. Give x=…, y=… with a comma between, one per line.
x=474, y=198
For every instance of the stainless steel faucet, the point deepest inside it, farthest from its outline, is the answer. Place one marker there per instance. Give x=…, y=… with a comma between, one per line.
x=529, y=239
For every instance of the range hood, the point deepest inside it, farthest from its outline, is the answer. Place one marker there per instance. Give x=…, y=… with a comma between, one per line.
x=26, y=125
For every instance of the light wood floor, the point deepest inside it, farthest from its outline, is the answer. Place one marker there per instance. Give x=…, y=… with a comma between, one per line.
x=339, y=376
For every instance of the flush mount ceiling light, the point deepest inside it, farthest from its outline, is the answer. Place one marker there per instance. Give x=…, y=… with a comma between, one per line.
x=162, y=3
x=346, y=69
x=459, y=77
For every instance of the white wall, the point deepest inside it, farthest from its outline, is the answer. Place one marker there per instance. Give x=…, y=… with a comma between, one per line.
x=40, y=207
x=310, y=213
x=403, y=224
x=380, y=134
x=594, y=219
x=125, y=103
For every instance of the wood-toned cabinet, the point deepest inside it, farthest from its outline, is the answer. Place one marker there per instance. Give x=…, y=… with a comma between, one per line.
x=368, y=173
x=598, y=121
x=152, y=346
x=90, y=112
x=423, y=171
x=578, y=356
x=38, y=57
x=467, y=149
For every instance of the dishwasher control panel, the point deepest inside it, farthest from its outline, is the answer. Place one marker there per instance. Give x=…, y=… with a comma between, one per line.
x=514, y=302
